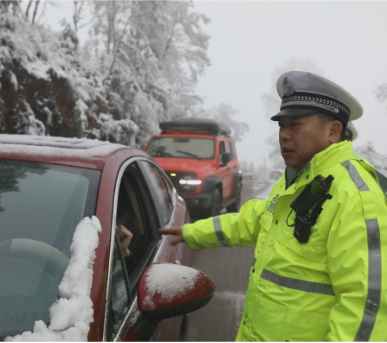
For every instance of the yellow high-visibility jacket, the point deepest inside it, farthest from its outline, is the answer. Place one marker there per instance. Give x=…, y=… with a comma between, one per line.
x=334, y=287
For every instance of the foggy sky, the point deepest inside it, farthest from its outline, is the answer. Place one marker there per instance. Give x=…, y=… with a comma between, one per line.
x=250, y=39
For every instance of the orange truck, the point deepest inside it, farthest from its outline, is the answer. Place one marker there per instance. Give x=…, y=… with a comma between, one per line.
x=199, y=156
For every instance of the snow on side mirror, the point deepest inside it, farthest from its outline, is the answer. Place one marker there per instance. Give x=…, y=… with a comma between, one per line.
x=169, y=290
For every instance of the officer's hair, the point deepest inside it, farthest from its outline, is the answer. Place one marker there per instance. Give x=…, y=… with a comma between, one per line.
x=324, y=118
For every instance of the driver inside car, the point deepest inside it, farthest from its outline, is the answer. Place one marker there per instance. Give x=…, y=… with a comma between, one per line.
x=125, y=237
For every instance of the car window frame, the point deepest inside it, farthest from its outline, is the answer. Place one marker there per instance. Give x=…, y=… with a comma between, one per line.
x=121, y=260
x=168, y=188
x=132, y=308
x=234, y=150
x=229, y=149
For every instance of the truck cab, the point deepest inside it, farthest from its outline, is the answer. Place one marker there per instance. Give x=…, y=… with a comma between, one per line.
x=199, y=156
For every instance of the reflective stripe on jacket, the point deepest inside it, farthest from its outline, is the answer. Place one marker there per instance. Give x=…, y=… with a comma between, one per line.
x=334, y=287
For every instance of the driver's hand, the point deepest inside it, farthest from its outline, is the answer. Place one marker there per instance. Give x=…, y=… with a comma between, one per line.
x=175, y=231
x=125, y=237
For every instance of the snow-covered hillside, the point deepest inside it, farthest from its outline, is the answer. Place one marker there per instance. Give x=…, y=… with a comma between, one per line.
x=139, y=67
x=47, y=88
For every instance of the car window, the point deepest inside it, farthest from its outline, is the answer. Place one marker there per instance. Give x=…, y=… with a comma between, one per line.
x=40, y=206
x=135, y=210
x=222, y=149
x=182, y=147
x=158, y=187
x=234, y=150
x=120, y=292
x=229, y=149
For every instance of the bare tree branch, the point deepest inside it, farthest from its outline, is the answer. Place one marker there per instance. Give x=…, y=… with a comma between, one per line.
x=28, y=8
x=171, y=35
x=77, y=14
x=35, y=11
x=119, y=43
x=42, y=12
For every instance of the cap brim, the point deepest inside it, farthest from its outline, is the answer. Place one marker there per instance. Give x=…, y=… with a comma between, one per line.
x=294, y=112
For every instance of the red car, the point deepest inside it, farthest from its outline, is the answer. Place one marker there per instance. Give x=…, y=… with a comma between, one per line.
x=47, y=185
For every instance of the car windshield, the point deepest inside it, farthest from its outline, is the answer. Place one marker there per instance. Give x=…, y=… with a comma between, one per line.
x=40, y=206
x=182, y=147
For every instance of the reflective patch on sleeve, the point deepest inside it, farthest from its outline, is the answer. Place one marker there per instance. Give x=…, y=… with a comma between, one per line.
x=219, y=232
x=374, y=282
x=355, y=176
x=299, y=285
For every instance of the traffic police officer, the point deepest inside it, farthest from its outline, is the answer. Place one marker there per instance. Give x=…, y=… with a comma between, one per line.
x=320, y=270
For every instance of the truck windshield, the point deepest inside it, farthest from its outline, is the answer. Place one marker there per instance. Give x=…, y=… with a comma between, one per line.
x=182, y=147
x=40, y=206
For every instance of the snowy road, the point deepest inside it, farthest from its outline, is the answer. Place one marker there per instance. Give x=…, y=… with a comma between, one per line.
x=229, y=270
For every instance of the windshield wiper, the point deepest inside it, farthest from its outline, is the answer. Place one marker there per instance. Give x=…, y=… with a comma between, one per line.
x=189, y=154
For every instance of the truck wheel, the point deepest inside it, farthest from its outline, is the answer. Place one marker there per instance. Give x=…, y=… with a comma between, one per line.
x=216, y=205
x=234, y=207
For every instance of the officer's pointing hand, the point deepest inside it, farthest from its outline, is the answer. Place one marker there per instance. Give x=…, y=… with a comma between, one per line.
x=175, y=231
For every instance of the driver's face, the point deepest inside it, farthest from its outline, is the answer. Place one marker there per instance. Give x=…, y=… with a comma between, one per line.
x=301, y=138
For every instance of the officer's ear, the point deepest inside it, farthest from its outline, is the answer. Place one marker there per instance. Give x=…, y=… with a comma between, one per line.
x=335, y=128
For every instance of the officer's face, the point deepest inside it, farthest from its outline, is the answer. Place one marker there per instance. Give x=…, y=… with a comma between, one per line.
x=301, y=138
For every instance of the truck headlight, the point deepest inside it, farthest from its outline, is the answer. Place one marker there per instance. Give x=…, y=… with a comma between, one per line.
x=190, y=182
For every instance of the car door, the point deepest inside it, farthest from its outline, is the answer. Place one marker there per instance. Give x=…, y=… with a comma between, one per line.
x=222, y=170
x=233, y=165
x=227, y=175
x=144, y=201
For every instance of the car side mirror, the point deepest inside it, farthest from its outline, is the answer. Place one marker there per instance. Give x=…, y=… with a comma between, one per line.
x=169, y=290
x=225, y=158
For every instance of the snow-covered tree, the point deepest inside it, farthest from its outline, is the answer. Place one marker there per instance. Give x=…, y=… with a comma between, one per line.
x=381, y=92
x=226, y=114
x=79, y=13
x=177, y=40
x=151, y=54
x=139, y=67
x=9, y=6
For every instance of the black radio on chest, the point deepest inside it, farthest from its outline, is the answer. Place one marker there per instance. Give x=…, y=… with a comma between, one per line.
x=308, y=206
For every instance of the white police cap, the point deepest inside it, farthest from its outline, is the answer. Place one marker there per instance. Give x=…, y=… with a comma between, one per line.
x=305, y=93
x=351, y=132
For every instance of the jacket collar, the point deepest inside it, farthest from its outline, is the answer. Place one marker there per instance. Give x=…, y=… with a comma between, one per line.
x=335, y=154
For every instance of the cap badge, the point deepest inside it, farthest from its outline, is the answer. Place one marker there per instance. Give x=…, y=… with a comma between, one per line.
x=287, y=86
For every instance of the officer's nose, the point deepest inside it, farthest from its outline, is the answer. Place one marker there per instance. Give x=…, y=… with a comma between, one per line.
x=284, y=135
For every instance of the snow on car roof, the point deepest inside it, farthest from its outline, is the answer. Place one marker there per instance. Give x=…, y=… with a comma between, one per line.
x=77, y=152
x=57, y=142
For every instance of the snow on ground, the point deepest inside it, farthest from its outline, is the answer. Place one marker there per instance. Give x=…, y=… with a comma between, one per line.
x=71, y=315
x=219, y=320
x=170, y=280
